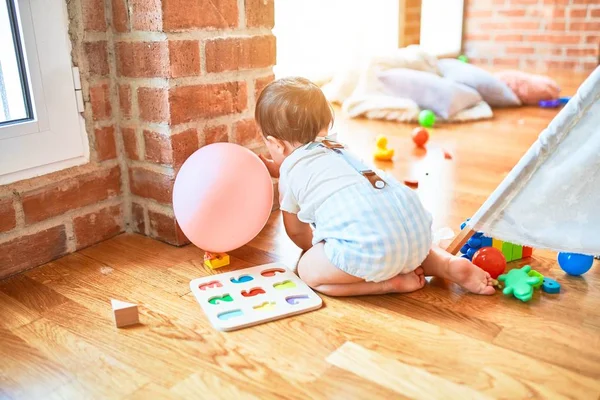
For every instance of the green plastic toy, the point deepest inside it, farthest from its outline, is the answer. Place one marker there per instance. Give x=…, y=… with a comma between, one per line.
x=533, y=272
x=518, y=283
x=463, y=58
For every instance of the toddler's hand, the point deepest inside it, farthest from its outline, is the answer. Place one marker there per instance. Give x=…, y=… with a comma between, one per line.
x=271, y=166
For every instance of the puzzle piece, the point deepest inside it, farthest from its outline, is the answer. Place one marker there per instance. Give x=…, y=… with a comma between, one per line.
x=210, y=285
x=230, y=314
x=219, y=299
x=519, y=283
x=252, y=292
x=293, y=300
x=214, y=261
x=266, y=306
x=267, y=273
x=242, y=279
x=284, y=285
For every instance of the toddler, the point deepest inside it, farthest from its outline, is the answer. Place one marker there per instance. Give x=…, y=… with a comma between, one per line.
x=361, y=233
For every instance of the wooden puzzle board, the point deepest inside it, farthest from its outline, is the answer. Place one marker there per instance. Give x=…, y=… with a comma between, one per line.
x=251, y=296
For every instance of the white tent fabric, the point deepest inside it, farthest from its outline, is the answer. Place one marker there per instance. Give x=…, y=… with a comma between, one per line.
x=551, y=198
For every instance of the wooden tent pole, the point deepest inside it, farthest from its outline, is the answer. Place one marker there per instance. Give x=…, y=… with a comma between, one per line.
x=460, y=240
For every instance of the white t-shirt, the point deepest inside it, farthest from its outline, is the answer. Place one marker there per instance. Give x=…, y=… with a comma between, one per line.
x=309, y=177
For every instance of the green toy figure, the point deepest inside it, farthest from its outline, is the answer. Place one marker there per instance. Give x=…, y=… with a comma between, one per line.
x=518, y=283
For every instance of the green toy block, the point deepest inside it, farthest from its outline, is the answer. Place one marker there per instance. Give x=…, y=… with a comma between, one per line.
x=507, y=249
x=533, y=272
x=518, y=283
x=517, y=252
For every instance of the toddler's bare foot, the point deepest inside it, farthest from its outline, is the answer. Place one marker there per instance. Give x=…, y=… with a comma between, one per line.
x=469, y=276
x=405, y=283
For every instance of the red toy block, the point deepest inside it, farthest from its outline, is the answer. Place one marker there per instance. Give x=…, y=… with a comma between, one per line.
x=527, y=252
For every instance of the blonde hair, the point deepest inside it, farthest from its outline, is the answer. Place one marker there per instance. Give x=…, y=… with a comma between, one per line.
x=293, y=109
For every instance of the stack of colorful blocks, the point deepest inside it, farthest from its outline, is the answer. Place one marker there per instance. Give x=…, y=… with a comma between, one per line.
x=512, y=252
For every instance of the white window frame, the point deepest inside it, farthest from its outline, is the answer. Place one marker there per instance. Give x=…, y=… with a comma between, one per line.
x=55, y=138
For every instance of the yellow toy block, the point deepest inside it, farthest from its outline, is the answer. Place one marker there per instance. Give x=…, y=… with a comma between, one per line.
x=497, y=244
x=214, y=261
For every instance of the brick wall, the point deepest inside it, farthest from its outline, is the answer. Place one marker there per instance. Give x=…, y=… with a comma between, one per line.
x=411, y=29
x=536, y=35
x=161, y=78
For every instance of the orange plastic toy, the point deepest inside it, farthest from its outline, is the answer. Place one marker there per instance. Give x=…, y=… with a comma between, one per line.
x=490, y=260
x=420, y=136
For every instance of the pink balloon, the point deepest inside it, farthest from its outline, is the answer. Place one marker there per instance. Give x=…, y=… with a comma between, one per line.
x=222, y=197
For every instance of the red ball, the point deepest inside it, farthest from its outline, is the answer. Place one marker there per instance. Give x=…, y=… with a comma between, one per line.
x=491, y=260
x=420, y=136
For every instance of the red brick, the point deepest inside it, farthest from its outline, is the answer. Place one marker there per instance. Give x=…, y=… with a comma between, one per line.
x=184, y=144
x=556, y=26
x=29, y=251
x=130, y=143
x=521, y=25
x=478, y=36
x=261, y=83
x=245, y=132
x=158, y=148
x=506, y=62
x=471, y=13
x=585, y=26
x=509, y=38
x=138, y=222
x=153, y=104
x=71, y=194
x=120, y=16
x=96, y=55
x=582, y=52
x=215, y=134
x=590, y=2
x=184, y=58
x=125, y=100
x=93, y=15
x=8, y=216
x=590, y=66
x=518, y=2
x=142, y=59
x=189, y=103
x=100, y=99
x=557, y=2
x=166, y=228
x=577, y=12
x=240, y=53
x=260, y=13
x=595, y=39
x=98, y=226
x=106, y=148
x=557, y=39
x=561, y=65
x=151, y=185
x=512, y=12
x=191, y=14
x=595, y=13
x=146, y=15
x=520, y=50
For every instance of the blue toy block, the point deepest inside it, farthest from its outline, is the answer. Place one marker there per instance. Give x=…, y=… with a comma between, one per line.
x=550, y=286
x=486, y=241
x=477, y=235
x=474, y=243
x=464, y=249
x=471, y=252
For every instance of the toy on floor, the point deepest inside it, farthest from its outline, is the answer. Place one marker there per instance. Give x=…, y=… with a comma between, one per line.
x=550, y=286
x=214, y=261
x=420, y=136
x=411, y=183
x=535, y=273
x=463, y=58
x=251, y=296
x=518, y=283
x=426, y=118
x=550, y=103
x=575, y=264
x=125, y=313
x=564, y=100
x=512, y=252
x=382, y=153
x=490, y=260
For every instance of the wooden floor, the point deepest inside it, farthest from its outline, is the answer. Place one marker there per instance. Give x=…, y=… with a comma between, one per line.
x=58, y=340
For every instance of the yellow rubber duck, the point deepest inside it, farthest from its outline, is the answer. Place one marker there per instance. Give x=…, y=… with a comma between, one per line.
x=383, y=153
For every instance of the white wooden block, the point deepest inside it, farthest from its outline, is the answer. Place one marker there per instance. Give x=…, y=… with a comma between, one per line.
x=125, y=313
x=255, y=295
